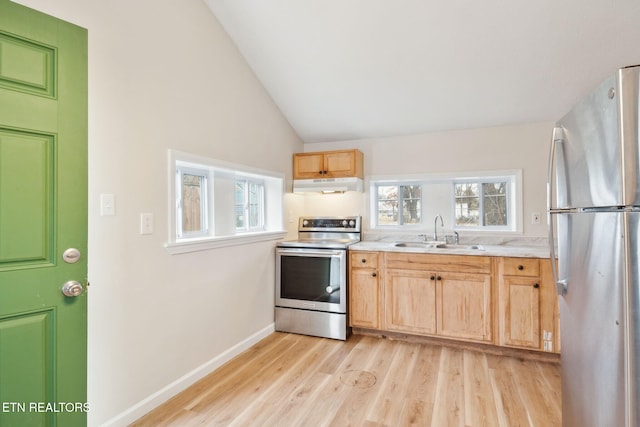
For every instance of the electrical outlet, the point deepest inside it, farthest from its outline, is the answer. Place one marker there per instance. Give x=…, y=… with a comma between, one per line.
x=535, y=218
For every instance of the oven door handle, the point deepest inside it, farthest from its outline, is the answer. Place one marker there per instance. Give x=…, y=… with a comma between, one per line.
x=307, y=252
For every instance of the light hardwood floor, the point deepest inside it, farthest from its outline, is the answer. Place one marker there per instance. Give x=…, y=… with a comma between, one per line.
x=296, y=380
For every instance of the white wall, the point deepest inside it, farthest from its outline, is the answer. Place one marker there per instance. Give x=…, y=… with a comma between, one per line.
x=164, y=75
x=523, y=147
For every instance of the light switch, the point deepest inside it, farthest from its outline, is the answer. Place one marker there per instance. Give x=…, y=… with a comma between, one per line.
x=107, y=205
x=146, y=223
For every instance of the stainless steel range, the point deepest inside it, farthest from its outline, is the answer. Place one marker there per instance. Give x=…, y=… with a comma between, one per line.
x=311, y=277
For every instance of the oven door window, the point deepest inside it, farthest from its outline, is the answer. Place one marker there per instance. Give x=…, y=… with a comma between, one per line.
x=306, y=278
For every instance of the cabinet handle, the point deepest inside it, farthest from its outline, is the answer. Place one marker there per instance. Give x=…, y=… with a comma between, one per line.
x=438, y=278
x=364, y=260
x=374, y=274
x=536, y=285
x=521, y=267
x=432, y=278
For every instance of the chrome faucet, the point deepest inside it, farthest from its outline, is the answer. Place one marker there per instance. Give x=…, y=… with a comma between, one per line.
x=435, y=226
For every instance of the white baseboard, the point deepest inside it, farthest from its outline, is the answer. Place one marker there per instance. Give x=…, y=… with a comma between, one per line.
x=146, y=405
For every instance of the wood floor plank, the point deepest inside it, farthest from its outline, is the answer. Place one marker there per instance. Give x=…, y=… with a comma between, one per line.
x=449, y=403
x=419, y=404
x=532, y=388
x=512, y=410
x=228, y=408
x=480, y=407
x=296, y=383
x=394, y=386
x=295, y=380
x=356, y=396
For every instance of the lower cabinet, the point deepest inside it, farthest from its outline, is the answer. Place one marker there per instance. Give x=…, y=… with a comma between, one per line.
x=447, y=296
x=528, y=305
x=364, y=292
x=506, y=301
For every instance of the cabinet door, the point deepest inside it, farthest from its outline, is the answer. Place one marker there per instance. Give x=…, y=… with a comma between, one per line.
x=363, y=298
x=410, y=302
x=340, y=164
x=464, y=309
x=308, y=166
x=520, y=309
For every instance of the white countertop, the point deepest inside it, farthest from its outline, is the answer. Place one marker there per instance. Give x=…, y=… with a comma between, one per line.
x=504, y=250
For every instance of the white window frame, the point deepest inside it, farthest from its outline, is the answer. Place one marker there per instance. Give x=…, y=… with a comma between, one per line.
x=515, y=210
x=247, y=226
x=511, y=203
x=397, y=184
x=219, y=211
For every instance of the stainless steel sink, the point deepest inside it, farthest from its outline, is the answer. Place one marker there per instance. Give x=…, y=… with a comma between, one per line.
x=424, y=245
x=465, y=247
x=437, y=245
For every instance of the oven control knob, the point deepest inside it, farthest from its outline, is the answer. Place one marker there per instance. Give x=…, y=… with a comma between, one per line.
x=305, y=222
x=344, y=223
x=329, y=289
x=352, y=223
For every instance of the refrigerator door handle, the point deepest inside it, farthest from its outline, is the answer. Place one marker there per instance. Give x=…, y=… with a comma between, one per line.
x=556, y=139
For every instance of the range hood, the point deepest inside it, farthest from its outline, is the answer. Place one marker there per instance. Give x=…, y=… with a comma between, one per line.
x=327, y=185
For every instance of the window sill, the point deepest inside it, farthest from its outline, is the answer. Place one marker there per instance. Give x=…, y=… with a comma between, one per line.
x=176, y=248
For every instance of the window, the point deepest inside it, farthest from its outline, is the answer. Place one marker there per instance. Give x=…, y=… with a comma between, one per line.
x=399, y=204
x=215, y=204
x=249, y=205
x=480, y=202
x=192, y=200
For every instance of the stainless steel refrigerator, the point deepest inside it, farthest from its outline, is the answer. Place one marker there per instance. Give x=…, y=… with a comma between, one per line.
x=594, y=202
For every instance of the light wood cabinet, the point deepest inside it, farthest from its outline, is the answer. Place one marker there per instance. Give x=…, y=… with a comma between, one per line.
x=364, y=292
x=328, y=164
x=444, y=295
x=464, y=309
x=527, y=306
x=410, y=302
x=504, y=301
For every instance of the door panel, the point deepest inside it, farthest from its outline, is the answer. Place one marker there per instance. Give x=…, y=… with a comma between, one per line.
x=410, y=302
x=27, y=66
x=588, y=159
x=26, y=208
x=521, y=311
x=43, y=212
x=31, y=351
x=591, y=260
x=464, y=309
x=633, y=313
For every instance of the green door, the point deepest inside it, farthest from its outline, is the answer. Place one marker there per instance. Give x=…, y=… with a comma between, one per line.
x=43, y=219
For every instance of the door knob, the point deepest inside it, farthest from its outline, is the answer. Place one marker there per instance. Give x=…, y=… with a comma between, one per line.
x=72, y=288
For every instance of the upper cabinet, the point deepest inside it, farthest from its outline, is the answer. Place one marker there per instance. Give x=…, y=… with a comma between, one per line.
x=328, y=164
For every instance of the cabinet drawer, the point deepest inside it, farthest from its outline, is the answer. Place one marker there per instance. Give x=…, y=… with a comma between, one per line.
x=439, y=263
x=529, y=267
x=364, y=260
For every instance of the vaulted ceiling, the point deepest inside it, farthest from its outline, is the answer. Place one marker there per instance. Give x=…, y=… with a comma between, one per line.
x=353, y=69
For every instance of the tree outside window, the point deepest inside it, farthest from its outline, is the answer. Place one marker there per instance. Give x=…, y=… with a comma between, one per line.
x=399, y=204
x=481, y=204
